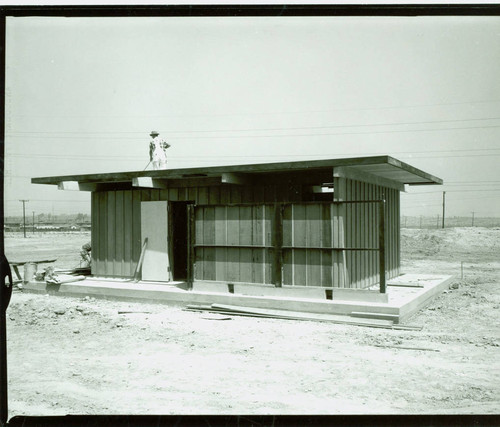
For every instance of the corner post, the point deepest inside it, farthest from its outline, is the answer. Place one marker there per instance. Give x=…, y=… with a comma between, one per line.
x=190, y=248
x=381, y=244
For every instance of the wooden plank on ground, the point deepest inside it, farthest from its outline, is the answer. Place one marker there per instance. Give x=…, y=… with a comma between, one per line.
x=406, y=285
x=300, y=315
x=373, y=315
x=137, y=271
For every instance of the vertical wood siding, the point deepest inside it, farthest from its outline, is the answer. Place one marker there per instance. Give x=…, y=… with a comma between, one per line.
x=231, y=243
x=309, y=228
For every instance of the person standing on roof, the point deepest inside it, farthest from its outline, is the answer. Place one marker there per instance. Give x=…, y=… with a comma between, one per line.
x=157, y=151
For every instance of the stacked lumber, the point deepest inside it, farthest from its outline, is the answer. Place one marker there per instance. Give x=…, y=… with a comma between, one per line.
x=296, y=315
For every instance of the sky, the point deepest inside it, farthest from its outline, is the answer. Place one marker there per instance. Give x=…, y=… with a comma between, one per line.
x=83, y=94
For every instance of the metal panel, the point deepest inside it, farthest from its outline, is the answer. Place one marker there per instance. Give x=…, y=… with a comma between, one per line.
x=154, y=227
x=136, y=229
x=128, y=268
x=228, y=243
x=119, y=235
x=94, y=206
x=103, y=252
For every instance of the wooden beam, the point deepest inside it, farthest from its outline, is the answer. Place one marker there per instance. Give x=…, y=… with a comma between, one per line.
x=358, y=175
x=235, y=178
x=148, y=182
x=76, y=186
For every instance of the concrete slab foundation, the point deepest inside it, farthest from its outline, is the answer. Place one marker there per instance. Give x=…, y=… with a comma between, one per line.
x=399, y=303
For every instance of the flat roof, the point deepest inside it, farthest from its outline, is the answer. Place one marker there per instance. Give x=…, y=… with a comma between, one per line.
x=380, y=166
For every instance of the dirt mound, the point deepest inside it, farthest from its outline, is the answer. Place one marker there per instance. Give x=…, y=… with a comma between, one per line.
x=451, y=243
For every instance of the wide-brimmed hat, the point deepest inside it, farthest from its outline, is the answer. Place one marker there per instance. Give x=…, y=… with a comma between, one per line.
x=153, y=132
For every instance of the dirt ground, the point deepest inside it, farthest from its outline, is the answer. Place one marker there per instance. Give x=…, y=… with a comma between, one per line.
x=87, y=356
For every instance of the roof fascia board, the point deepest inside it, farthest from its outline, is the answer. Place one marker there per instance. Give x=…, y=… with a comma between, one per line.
x=217, y=171
x=405, y=166
x=212, y=171
x=358, y=175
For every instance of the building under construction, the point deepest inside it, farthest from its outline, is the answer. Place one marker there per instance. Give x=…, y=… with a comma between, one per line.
x=321, y=224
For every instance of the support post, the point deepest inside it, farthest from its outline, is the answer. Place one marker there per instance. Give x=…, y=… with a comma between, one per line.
x=191, y=241
x=381, y=244
x=444, y=200
x=24, y=216
x=277, y=245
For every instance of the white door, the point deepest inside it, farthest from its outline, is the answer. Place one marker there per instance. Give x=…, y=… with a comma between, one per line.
x=154, y=227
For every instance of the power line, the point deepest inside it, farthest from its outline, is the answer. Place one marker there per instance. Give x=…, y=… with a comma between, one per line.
x=265, y=129
x=266, y=156
x=269, y=136
x=396, y=107
x=453, y=191
x=424, y=204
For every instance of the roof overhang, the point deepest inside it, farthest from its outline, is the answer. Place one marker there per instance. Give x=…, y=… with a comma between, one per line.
x=381, y=167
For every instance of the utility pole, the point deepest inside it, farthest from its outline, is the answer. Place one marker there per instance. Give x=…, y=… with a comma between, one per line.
x=473, y=219
x=437, y=222
x=33, y=222
x=420, y=221
x=24, y=216
x=444, y=204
